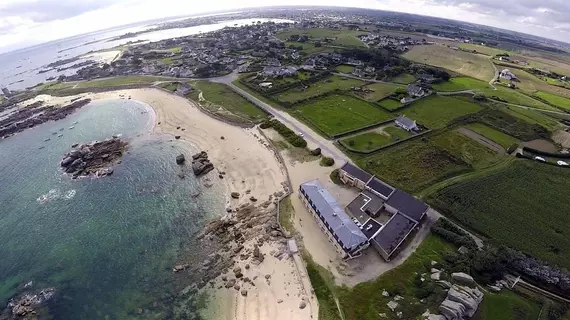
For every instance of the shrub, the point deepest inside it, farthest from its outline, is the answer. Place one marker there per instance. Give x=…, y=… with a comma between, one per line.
x=450, y=232
x=335, y=177
x=327, y=162
x=479, y=97
x=316, y=152
x=285, y=132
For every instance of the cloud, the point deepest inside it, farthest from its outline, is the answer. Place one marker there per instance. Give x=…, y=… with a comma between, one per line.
x=40, y=11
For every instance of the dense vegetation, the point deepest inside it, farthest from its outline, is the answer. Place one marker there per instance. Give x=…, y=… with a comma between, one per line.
x=288, y=134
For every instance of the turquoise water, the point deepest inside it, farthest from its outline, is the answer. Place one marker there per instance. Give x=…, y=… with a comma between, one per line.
x=107, y=245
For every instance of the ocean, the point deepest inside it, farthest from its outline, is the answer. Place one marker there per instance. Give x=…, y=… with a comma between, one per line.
x=106, y=245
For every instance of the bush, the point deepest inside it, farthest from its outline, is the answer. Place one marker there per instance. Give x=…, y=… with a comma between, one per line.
x=335, y=177
x=450, y=232
x=285, y=132
x=316, y=152
x=479, y=97
x=327, y=162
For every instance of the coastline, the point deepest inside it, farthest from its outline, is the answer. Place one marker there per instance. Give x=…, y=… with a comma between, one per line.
x=251, y=168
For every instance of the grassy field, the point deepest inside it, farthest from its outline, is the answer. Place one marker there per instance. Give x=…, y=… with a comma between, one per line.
x=436, y=111
x=390, y=104
x=515, y=97
x=110, y=82
x=365, y=300
x=506, y=205
x=490, y=51
x=223, y=96
x=561, y=102
x=380, y=91
x=533, y=117
x=344, y=68
x=372, y=140
x=497, y=136
x=323, y=285
x=343, y=37
x=507, y=305
x=472, y=65
x=404, y=78
x=459, y=84
x=318, y=88
x=335, y=114
x=412, y=165
x=466, y=149
x=529, y=83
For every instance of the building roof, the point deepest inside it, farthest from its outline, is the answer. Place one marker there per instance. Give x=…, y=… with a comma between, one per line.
x=356, y=172
x=407, y=204
x=370, y=227
x=406, y=121
x=333, y=215
x=415, y=89
x=380, y=187
x=393, y=233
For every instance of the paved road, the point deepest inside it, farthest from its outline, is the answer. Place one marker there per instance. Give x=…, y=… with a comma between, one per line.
x=327, y=146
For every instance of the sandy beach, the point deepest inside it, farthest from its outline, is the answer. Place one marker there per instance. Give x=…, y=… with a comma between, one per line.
x=278, y=285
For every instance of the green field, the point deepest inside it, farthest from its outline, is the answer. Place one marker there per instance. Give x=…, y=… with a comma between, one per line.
x=343, y=37
x=506, y=205
x=365, y=301
x=221, y=95
x=466, y=149
x=436, y=111
x=390, y=104
x=344, y=69
x=114, y=82
x=507, y=305
x=490, y=51
x=404, y=78
x=531, y=84
x=533, y=117
x=336, y=114
x=412, y=165
x=460, y=84
x=372, y=140
x=318, y=88
x=515, y=97
x=380, y=91
x=497, y=136
x=561, y=102
x=471, y=65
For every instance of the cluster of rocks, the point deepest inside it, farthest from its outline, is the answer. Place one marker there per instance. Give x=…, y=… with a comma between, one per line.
x=94, y=159
x=26, y=305
x=201, y=165
x=35, y=115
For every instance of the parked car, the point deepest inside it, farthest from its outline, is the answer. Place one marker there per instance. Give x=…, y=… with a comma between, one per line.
x=541, y=159
x=562, y=163
x=301, y=134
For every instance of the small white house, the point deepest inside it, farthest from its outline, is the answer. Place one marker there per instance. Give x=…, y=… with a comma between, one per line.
x=406, y=123
x=508, y=75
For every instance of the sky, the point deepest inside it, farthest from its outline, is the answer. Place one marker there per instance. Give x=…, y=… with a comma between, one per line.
x=28, y=22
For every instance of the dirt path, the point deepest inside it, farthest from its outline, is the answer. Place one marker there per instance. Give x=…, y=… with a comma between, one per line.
x=483, y=140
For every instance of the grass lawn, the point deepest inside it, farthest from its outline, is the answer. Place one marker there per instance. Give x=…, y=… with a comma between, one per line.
x=472, y=65
x=490, y=51
x=344, y=37
x=380, y=91
x=515, y=97
x=372, y=140
x=365, y=300
x=336, y=114
x=507, y=305
x=303, y=75
x=344, y=68
x=404, y=78
x=436, y=111
x=561, y=102
x=459, y=84
x=221, y=95
x=497, y=136
x=508, y=204
x=533, y=117
x=466, y=149
x=390, y=104
x=323, y=285
x=118, y=81
x=413, y=165
x=318, y=88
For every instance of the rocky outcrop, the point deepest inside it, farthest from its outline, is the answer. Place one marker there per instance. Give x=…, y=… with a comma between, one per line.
x=94, y=159
x=461, y=302
x=35, y=114
x=180, y=159
x=463, y=278
x=26, y=305
x=201, y=165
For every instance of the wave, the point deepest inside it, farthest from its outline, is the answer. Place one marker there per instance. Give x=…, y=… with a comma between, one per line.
x=55, y=194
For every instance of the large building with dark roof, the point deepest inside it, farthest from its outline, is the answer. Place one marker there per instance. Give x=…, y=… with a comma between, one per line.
x=377, y=198
x=342, y=232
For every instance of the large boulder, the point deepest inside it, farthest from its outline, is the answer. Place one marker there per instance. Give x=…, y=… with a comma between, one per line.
x=452, y=310
x=180, y=159
x=468, y=297
x=464, y=278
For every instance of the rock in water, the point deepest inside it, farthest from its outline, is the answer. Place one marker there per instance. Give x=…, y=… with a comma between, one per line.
x=201, y=165
x=94, y=159
x=180, y=159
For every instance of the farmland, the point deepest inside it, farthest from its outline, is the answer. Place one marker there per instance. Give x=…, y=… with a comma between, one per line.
x=466, y=149
x=316, y=89
x=344, y=68
x=561, y=102
x=404, y=78
x=335, y=114
x=490, y=51
x=531, y=84
x=515, y=97
x=472, y=65
x=497, y=136
x=436, y=111
x=390, y=104
x=533, y=117
x=506, y=204
x=511, y=125
x=372, y=140
x=412, y=165
x=380, y=91
x=459, y=84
